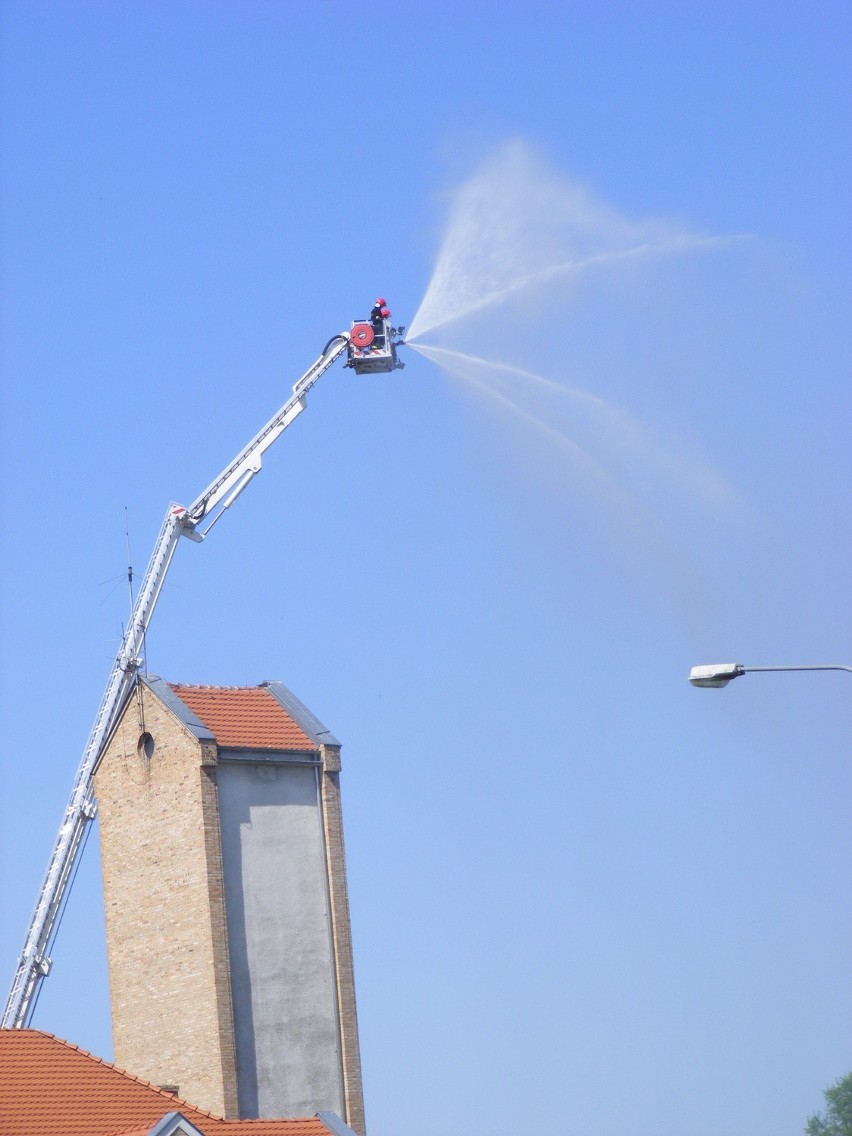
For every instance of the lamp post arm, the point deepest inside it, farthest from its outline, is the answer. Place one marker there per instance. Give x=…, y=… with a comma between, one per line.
x=823, y=667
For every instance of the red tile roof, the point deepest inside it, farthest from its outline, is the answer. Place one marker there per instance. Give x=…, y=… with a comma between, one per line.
x=52, y=1088
x=245, y=717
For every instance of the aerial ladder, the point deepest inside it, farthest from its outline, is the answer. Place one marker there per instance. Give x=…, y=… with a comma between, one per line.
x=370, y=347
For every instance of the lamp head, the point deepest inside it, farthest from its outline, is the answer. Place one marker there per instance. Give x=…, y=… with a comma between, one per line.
x=715, y=674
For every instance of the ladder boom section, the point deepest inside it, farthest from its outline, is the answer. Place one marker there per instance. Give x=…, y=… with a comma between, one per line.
x=234, y=478
x=34, y=962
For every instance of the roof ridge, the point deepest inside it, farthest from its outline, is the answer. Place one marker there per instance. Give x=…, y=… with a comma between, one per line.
x=216, y=686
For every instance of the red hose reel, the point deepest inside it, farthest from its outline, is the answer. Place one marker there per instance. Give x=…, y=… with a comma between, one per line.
x=362, y=335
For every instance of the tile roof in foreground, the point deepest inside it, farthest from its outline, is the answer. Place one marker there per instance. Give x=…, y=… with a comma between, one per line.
x=244, y=717
x=50, y=1087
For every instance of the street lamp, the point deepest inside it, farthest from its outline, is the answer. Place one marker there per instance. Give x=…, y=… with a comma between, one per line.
x=720, y=674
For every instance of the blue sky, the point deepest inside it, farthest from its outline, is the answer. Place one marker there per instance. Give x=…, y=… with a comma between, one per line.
x=581, y=890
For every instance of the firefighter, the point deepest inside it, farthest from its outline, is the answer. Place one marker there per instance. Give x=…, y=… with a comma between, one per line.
x=377, y=318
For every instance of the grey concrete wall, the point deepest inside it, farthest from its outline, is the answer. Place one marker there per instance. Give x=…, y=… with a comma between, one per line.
x=282, y=967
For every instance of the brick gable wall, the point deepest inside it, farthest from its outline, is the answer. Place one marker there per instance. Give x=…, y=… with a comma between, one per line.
x=164, y=906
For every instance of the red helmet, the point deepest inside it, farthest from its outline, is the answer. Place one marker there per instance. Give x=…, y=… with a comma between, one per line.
x=380, y=303
x=385, y=313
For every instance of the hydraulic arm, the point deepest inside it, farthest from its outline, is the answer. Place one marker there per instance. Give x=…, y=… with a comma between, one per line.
x=194, y=522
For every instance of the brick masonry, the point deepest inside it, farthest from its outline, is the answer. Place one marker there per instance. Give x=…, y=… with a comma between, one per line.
x=164, y=903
